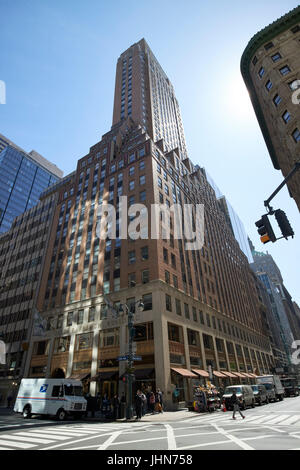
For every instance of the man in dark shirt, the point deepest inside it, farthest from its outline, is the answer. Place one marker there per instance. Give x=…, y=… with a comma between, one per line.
x=235, y=403
x=138, y=404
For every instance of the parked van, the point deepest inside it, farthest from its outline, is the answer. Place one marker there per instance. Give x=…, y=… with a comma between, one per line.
x=260, y=394
x=244, y=394
x=53, y=397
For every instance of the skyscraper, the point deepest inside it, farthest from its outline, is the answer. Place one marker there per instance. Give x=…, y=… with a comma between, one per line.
x=23, y=176
x=144, y=92
x=201, y=310
x=270, y=66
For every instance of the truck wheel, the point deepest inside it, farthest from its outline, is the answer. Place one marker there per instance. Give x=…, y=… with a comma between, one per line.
x=27, y=412
x=253, y=403
x=280, y=397
x=61, y=415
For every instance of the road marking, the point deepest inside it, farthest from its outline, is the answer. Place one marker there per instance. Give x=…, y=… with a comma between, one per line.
x=79, y=440
x=277, y=419
x=291, y=420
x=203, y=445
x=237, y=441
x=27, y=439
x=258, y=437
x=274, y=429
x=171, y=437
x=20, y=445
x=110, y=440
x=43, y=434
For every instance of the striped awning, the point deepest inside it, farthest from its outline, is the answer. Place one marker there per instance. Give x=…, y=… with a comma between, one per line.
x=238, y=374
x=201, y=372
x=184, y=372
x=219, y=374
x=228, y=374
x=253, y=376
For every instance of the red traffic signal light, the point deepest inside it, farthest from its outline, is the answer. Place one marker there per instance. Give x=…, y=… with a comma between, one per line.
x=265, y=230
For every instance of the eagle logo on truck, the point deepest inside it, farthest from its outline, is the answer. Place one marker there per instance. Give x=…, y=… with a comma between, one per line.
x=43, y=388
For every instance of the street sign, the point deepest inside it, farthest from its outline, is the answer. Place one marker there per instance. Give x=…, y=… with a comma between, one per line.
x=122, y=358
x=136, y=358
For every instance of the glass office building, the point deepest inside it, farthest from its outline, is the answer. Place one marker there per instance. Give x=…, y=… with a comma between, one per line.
x=23, y=176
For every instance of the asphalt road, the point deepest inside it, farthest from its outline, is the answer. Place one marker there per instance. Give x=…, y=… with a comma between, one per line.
x=269, y=427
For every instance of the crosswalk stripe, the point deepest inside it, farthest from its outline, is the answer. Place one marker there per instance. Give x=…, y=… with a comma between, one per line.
x=291, y=420
x=277, y=419
x=14, y=437
x=20, y=445
x=43, y=435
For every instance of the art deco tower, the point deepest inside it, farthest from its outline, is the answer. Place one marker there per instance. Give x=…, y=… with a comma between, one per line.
x=144, y=92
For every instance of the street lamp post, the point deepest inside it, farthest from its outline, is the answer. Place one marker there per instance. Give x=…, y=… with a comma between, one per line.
x=130, y=312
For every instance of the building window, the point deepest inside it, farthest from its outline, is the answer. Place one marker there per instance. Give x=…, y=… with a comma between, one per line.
x=142, y=180
x=276, y=57
x=286, y=116
x=167, y=277
x=142, y=196
x=80, y=317
x=295, y=29
x=147, y=301
x=178, y=306
x=69, y=318
x=186, y=311
x=296, y=135
x=269, y=85
x=269, y=46
x=284, y=70
x=168, y=303
x=144, y=253
x=261, y=72
x=91, y=314
x=277, y=100
x=131, y=257
x=145, y=276
x=165, y=255
x=131, y=280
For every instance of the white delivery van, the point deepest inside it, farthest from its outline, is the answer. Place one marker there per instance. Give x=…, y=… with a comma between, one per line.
x=53, y=397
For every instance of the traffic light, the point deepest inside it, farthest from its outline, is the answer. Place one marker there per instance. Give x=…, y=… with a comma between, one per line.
x=284, y=224
x=265, y=230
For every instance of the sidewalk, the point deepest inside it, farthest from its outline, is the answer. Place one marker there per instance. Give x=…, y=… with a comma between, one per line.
x=148, y=418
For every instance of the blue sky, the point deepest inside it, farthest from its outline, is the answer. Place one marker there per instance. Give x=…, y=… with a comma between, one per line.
x=58, y=60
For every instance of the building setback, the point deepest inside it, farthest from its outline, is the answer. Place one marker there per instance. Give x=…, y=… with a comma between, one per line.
x=270, y=66
x=23, y=176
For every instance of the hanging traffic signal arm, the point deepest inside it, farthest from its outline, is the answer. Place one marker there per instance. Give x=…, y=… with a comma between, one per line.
x=283, y=183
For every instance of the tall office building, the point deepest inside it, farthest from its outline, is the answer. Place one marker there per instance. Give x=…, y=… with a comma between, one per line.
x=270, y=66
x=23, y=176
x=201, y=310
x=144, y=92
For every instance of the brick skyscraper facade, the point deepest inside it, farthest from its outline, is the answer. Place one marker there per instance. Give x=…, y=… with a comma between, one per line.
x=201, y=308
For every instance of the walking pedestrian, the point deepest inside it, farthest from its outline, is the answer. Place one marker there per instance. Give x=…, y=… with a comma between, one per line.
x=116, y=405
x=152, y=402
x=144, y=404
x=9, y=400
x=138, y=405
x=236, y=406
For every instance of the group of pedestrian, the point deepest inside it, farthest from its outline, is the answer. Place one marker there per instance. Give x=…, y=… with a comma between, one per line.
x=148, y=402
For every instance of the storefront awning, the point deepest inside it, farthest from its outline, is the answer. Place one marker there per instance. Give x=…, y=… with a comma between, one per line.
x=252, y=375
x=79, y=376
x=201, y=372
x=143, y=373
x=247, y=375
x=228, y=374
x=104, y=375
x=184, y=372
x=218, y=374
x=238, y=374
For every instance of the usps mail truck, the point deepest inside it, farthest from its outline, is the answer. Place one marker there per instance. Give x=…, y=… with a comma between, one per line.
x=52, y=397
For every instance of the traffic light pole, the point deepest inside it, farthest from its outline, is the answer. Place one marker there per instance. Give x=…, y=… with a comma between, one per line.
x=286, y=179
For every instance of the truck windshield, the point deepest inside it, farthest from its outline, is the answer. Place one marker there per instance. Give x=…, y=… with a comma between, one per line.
x=269, y=386
x=287, y=382
x=73, y=390
x=229, y=390
x=254, y=388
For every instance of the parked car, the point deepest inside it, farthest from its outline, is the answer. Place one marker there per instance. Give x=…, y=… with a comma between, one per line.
x=244, y=394
x=260, y=394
